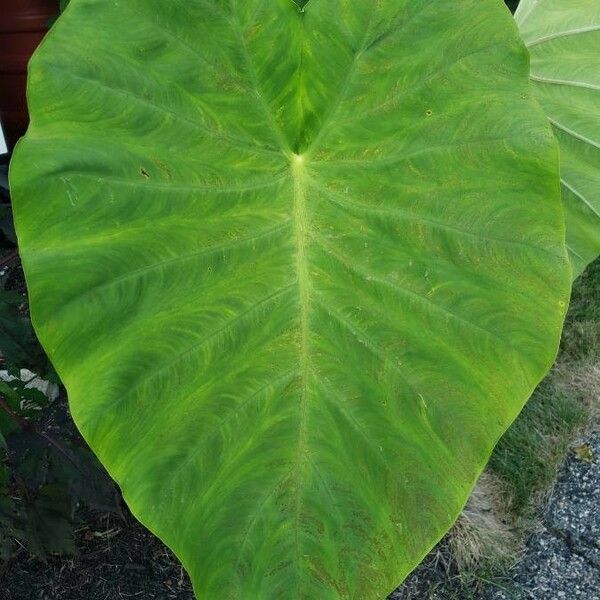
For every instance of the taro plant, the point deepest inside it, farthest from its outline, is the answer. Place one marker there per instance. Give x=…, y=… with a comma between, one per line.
x=563, y=39
x=299, y=266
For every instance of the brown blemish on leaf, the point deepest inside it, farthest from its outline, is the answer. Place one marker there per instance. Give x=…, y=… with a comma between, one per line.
x=164, y=168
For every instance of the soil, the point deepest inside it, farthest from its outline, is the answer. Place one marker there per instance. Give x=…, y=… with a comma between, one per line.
x=117, y=559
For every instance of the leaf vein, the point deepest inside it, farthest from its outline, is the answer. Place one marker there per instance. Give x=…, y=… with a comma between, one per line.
x=570, y=187
x=190, y=350
x=354, y=266
x=580, y=84
x=210, y=433
x=560, y=34
x=183, y=257
x=233, y=140
x=349, y=206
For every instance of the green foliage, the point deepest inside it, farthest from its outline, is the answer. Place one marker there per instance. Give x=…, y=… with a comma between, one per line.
x=17, y=339
x=6, y=223
x=311, y=266
x=531, y=451
x=44, y=487
x=581, y=339
x=44, y=476
x=563, y=38
x=584, y=306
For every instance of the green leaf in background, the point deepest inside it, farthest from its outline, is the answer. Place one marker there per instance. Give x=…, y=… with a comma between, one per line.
x=16, y=336
x=7, y=226
x=46, y=522
x=563, y=37
x=298, y=270
x=19, y=347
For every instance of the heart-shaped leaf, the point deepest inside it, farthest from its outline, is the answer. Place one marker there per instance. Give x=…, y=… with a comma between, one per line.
x=301, y=3
x=298, y=271
x=563, y=38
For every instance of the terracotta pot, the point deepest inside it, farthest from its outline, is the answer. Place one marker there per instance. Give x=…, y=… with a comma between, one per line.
x=23, y=24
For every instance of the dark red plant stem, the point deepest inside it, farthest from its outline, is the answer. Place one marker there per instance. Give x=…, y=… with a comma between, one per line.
x=23, y=487
x=24, y=423
x=28, y=426
x=6, y=260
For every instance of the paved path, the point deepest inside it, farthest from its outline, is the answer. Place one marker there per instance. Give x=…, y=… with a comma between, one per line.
x=563, y=559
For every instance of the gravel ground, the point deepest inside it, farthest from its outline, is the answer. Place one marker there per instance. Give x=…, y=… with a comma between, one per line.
x=562, y=559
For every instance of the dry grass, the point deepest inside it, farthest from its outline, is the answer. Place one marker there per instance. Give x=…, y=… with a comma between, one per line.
x=484, y=537
x=502, y=510
x=583, y=379
x=486, y=528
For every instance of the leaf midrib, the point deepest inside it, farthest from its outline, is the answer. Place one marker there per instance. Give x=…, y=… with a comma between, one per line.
x=301, y=226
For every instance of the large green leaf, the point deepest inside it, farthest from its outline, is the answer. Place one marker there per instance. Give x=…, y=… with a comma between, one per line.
x=298, y=269
x=563, y=37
